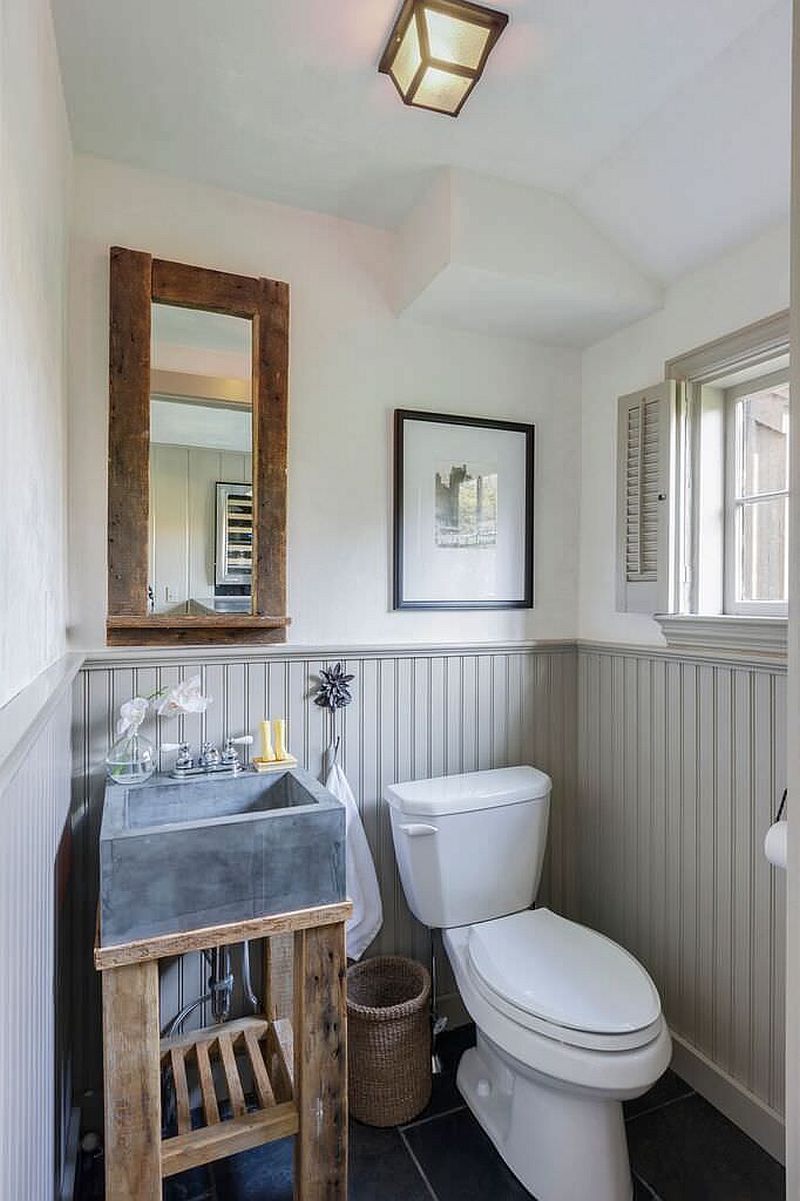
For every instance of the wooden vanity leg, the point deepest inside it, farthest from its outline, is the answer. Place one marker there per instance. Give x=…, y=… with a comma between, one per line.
x=267, y=1005
x=320, y=1064
x=132, y=1082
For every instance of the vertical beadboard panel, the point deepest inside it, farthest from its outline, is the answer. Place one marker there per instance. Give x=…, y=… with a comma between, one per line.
x=681, y=767
x=35, y=922
x=663, y=789
x=413, y=715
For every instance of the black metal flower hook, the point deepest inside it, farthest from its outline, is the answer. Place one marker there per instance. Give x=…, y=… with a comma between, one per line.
x=333, y=693
x=334, y=689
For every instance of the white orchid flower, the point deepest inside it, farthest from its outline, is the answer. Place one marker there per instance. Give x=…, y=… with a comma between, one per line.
x=185, y=697
x=131, y=715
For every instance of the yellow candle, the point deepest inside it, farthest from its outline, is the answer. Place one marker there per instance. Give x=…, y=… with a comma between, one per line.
x=267, y=752
x=279, y=731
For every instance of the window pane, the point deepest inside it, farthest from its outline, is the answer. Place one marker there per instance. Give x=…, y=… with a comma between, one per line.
x=762, y=549
x=762, y=441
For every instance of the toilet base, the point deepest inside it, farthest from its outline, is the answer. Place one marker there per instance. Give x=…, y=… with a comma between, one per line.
x=563, y=1144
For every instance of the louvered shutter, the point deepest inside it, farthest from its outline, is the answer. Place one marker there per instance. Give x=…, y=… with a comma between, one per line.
x=644, y=466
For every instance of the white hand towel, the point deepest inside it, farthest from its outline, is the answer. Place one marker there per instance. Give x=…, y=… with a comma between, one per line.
x=362, y=881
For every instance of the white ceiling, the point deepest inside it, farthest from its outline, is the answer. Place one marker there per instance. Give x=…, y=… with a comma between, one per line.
x=666, y=123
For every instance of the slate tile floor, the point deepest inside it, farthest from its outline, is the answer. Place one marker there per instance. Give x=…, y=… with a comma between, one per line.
x=682, y=1149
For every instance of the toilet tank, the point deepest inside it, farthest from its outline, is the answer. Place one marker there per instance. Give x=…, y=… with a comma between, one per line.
x=470, y=847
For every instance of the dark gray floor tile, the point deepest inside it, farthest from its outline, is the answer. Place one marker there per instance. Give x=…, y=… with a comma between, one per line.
x=263, y=1174
x=381, y=1168
x=460, y=1161
x=196, y=1185
x=689, y=1152
x=642, y=1191
x=669, y=1088
x=444, y=1095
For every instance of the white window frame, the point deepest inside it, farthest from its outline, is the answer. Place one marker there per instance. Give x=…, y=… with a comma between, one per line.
x=734, y=504
x=697, y=616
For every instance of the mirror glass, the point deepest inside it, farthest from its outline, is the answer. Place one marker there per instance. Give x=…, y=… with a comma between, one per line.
x=201, y=443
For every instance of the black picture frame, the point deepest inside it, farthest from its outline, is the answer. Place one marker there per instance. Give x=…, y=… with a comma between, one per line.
x=525, y=430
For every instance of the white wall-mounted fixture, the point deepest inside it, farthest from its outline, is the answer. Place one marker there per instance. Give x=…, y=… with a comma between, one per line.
x=775, y=843
x=437, y=51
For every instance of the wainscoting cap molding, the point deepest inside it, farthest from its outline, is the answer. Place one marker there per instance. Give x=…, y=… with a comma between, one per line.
x=765, y=637
x=104, y=658
x=23, y=716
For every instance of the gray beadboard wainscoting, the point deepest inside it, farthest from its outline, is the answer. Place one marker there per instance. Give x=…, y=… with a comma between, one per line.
x=415, y=713
x=682, y=766
x=36, y=1130
x=666, y=770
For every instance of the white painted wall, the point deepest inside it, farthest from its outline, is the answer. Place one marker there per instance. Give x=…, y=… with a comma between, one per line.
x=352, y=363
x=35, y=162
x=743, y=286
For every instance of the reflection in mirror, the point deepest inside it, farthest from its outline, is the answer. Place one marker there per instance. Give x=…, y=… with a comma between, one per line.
x=201, y=439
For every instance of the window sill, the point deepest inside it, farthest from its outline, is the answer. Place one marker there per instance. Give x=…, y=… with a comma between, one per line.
x=765, y=637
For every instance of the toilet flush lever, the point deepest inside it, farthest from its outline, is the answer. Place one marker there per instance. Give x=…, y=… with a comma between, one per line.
x=418, y=829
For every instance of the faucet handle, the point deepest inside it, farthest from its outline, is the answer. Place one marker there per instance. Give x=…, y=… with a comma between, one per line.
x=184, y=758
x=230, y=756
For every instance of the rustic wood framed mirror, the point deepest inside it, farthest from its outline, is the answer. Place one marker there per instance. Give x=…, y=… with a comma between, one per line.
x=197, y=442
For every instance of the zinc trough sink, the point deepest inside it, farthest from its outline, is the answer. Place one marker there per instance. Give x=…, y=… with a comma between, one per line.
x=180, y=855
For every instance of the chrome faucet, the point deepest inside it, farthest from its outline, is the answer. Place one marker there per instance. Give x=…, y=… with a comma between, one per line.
x=210, y=762
x=210, y=758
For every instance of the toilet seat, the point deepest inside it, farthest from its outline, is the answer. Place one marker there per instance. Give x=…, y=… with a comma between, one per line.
x=563, y=981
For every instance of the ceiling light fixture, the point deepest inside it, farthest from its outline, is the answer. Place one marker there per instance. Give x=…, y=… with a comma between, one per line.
x=437, y=51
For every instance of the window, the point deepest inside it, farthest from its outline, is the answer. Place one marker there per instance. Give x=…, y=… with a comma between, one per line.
x=757, y=504
x=702, y=514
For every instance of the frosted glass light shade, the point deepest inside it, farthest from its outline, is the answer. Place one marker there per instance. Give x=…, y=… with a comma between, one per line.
x=441, y=90
x=452, y=40
x=407, y=61
x=438, y=49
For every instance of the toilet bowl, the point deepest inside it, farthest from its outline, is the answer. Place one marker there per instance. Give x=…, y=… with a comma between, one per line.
x=549, y=1093
x=569, y=1024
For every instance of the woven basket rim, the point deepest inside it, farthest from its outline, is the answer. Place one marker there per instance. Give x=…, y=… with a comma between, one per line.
x=390, y=1013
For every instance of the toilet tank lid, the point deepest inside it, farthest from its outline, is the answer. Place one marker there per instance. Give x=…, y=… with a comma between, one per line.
x=469, y=792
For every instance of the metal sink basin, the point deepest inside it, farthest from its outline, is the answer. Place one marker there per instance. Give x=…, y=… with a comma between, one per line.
x=179, y=855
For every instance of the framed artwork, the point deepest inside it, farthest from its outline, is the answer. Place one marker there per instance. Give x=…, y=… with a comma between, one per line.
x=463, y=512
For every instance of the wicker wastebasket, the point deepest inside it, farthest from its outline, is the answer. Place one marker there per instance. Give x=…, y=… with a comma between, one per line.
x=389, y=1040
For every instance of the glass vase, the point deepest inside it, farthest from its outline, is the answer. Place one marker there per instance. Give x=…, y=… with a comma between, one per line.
x=131, y=760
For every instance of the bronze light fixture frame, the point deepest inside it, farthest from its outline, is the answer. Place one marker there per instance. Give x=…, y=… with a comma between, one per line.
x=463, y=10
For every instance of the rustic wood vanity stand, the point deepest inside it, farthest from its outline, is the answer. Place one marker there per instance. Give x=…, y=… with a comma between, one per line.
x=298, y=1069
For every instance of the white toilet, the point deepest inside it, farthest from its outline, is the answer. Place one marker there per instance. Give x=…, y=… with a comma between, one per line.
x=569, y=1024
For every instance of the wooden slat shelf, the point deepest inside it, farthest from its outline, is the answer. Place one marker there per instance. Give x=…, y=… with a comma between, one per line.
x=250, y=1043
x=257, y=1078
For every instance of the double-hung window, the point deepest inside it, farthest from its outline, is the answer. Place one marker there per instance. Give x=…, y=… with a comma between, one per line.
x=757, y=496
x=703, y=505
